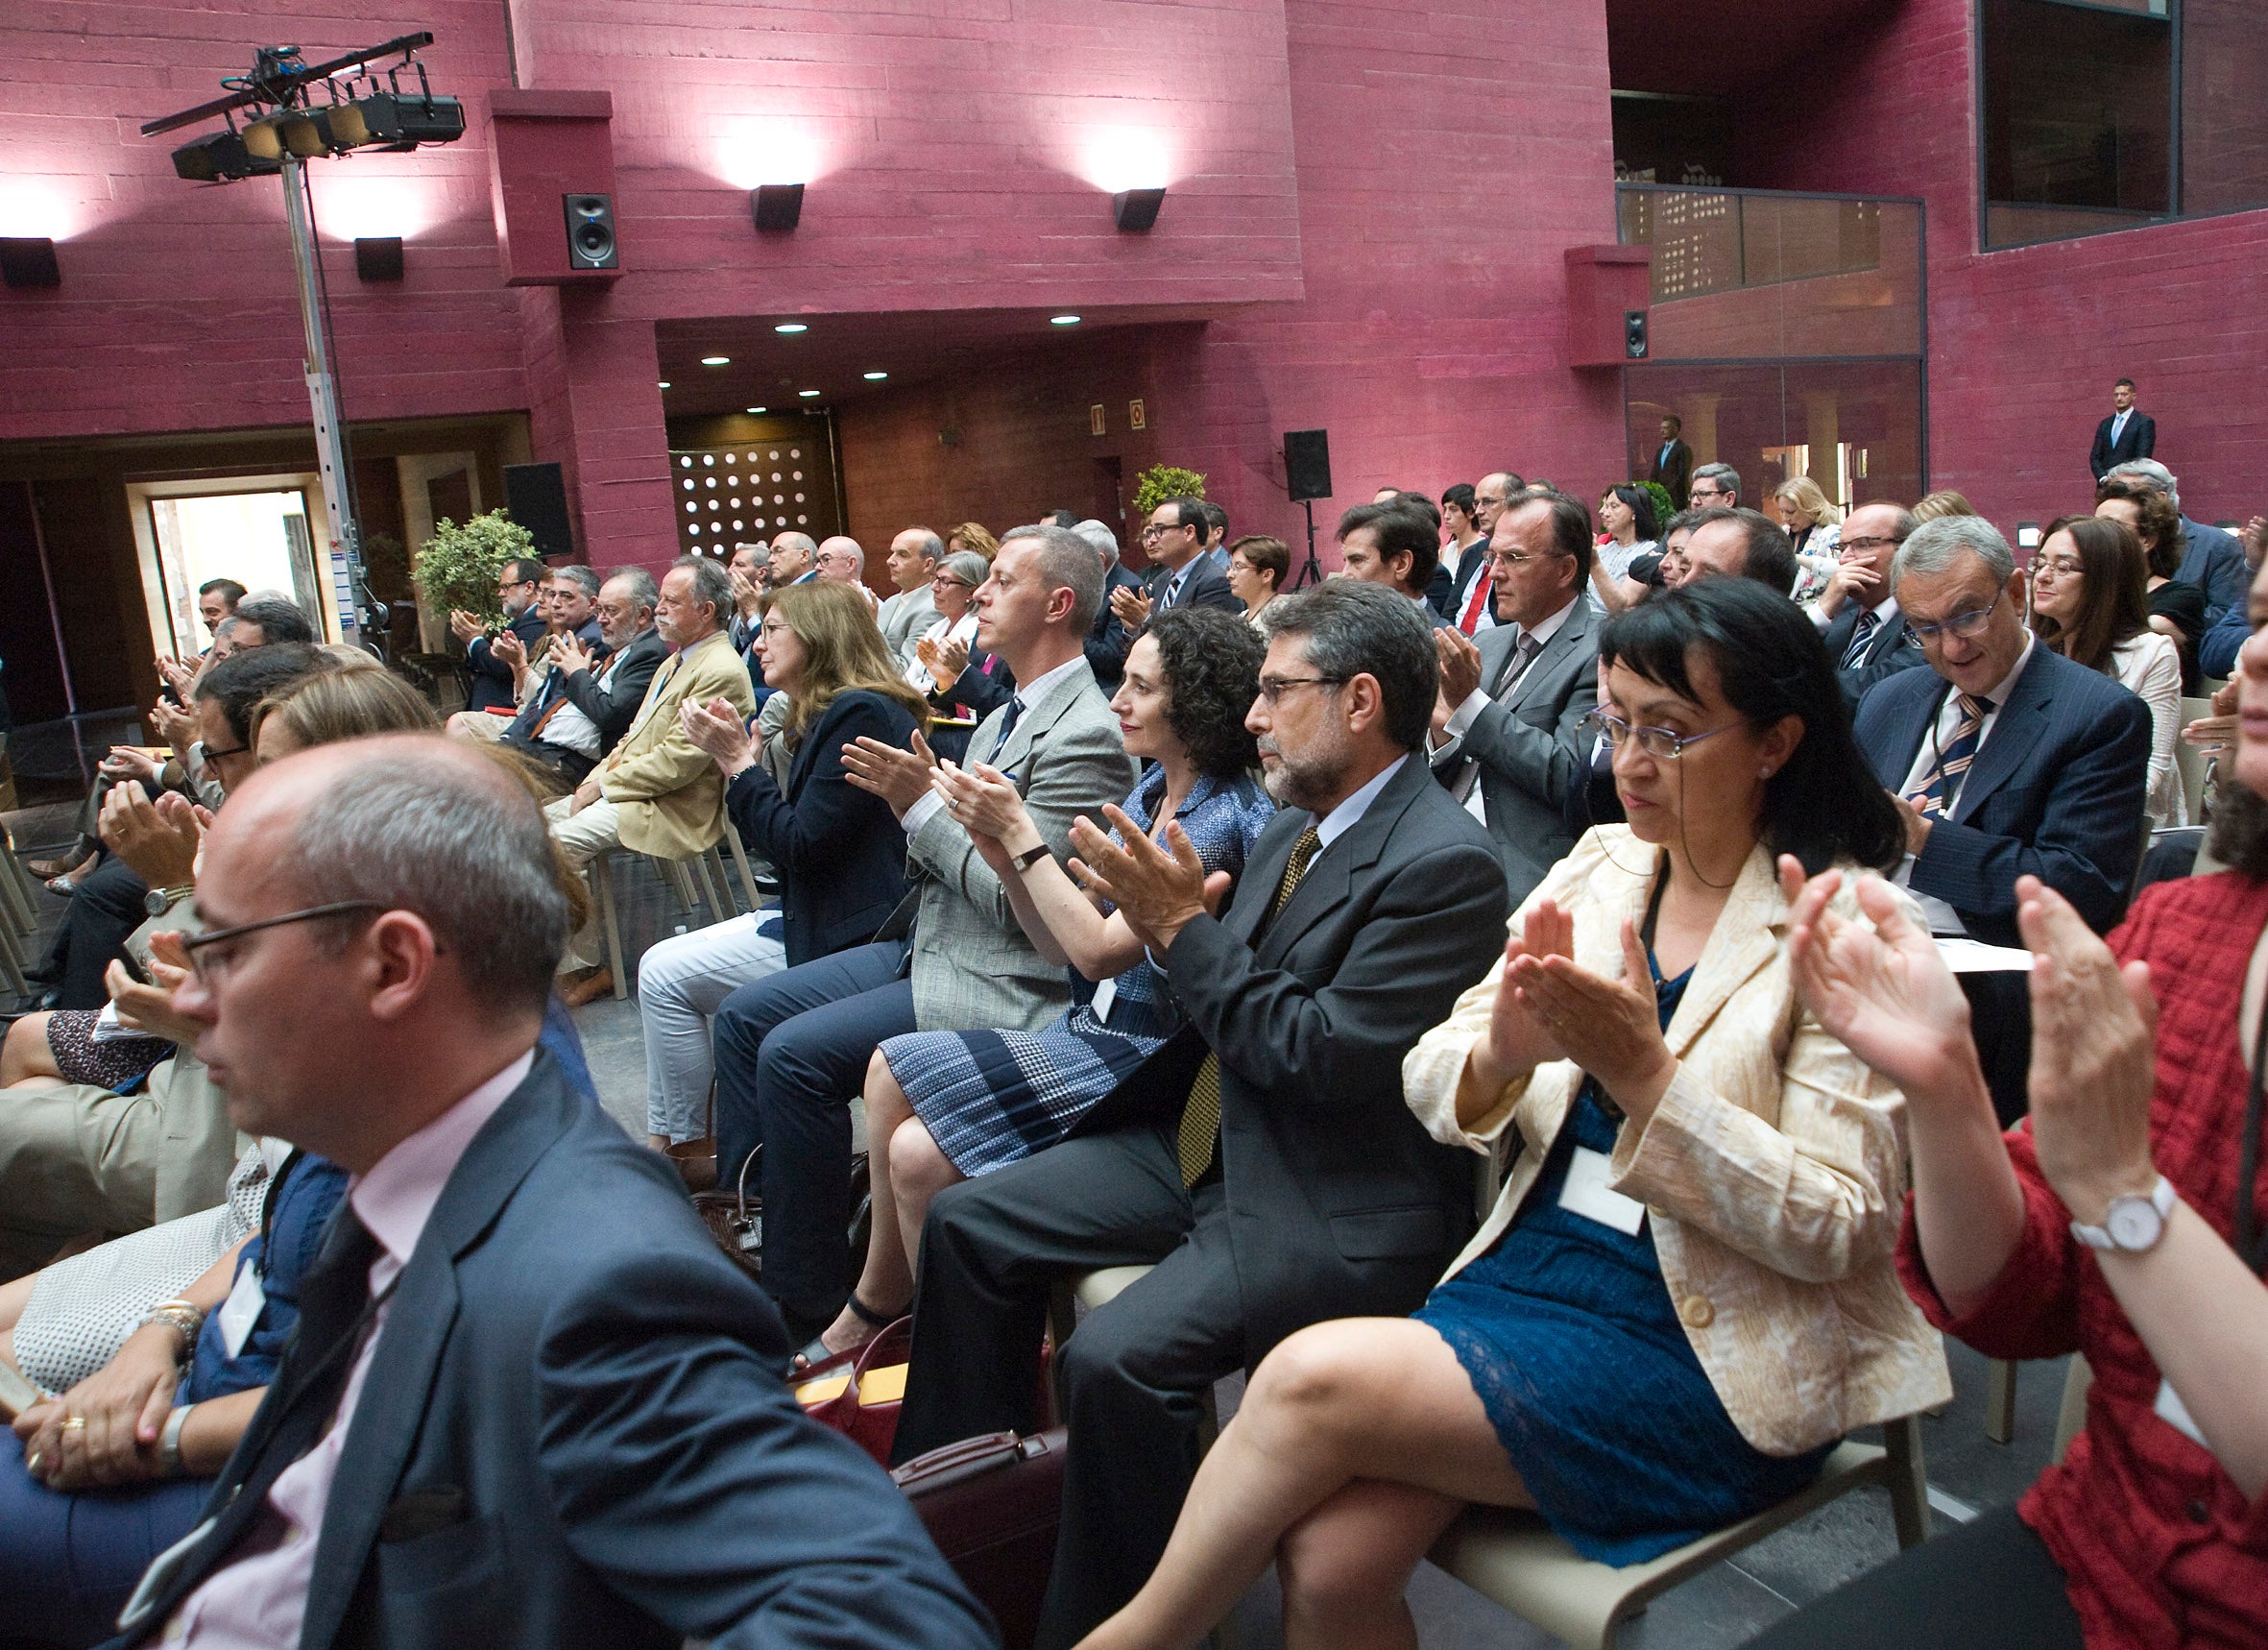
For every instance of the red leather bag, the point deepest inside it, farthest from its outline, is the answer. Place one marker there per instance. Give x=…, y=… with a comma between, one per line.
x=862, y=1402
x=993, y=1505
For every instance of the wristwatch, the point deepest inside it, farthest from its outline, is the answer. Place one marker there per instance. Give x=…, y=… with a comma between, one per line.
x=158, y=900
x=2131, y=1226
x=1031, y=857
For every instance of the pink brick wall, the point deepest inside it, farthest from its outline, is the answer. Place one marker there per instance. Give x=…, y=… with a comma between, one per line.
x=2024, y=343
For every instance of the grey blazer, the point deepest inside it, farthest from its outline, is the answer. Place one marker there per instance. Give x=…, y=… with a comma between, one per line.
x=1530, y=746
x=973, y=967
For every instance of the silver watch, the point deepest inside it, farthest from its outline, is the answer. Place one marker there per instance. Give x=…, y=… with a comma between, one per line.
x=2132, y=1225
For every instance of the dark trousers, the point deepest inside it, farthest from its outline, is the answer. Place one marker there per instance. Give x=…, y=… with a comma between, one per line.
x=791, y=1053
x=105, y=907
x=1989, y=1585
x=2000, y=1022
x=1133, y=1378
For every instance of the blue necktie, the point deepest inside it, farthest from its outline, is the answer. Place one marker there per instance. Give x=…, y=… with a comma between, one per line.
x=1009, y=720
x=1869, y=622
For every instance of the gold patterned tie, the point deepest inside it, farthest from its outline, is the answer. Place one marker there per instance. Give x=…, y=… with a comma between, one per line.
x=1200, y=1115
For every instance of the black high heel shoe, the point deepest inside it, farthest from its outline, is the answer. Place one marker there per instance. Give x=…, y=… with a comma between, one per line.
x=817, y=1358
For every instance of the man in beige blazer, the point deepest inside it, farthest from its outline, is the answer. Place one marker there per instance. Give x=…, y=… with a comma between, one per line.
x=658, y=793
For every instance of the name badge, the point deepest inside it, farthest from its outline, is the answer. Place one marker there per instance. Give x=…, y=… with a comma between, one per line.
x=1105, y=994
x=1586, y=1193
x=2170, y=1409
x=242, y=1310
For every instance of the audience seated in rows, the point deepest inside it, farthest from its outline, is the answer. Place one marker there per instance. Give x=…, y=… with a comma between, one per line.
x=1260, y=1156
x=2210, y=558
x=944, y=1107
x=839, y=851
x=519, y=585
x=1650, y=1337
x=1181, y=574
x=2115, y=1222
x=658, y=793
x=792, y=1049
x=946, y=655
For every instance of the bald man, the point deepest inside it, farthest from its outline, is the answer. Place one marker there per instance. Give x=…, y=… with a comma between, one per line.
x=795, y=560
x=572, y=1429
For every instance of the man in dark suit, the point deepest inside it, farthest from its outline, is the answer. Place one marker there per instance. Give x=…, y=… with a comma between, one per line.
x=586, y=701
x=1508, y=738
x=2006, y=759
x=1392, y=546
x=519, y=585
x=1108, y=642
x=502, y=1422
x=1180, y=573
x=1673, y=461
x=2125, y=435
x=1857, y=612
x=1263, y=1158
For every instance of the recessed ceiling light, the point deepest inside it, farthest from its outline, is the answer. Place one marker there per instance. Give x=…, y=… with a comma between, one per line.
x=716, y=360
x=791, y=327
x=665, y=384
x=1063, y=321
x=807, y=393
x=876, y=377
x=755, y=410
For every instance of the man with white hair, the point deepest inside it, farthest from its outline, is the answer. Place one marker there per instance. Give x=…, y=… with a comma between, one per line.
x=501, y=1420
x=2211, y=559
x=1109, y=640
x=795, y=560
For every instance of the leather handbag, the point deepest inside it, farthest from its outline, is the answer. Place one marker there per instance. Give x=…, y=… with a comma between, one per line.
x=862, y=1402
x=736, y=1221
x=993, y=1504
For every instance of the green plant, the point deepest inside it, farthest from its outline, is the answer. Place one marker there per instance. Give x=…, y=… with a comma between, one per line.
x=1663, y=508
x=1163, y=481
x=458, y=564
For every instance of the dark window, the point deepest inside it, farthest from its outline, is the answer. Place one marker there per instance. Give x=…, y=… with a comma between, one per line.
x=2103, y=114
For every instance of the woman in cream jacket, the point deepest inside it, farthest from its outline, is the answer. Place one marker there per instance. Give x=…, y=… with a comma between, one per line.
x=1685, y=1294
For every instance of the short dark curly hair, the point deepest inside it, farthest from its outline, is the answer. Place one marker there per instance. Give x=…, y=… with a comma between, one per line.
x=1211, y=660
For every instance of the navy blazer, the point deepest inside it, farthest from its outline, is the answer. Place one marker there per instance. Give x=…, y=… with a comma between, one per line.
x=1339, y=1202
x=1107, y=643
x=840, y=850
x=2214, y=561
x=1891, y=649
x=573, y=1433
x=2137, y=440
x=1207, y=586
x=491, y=678
x=2056, y=791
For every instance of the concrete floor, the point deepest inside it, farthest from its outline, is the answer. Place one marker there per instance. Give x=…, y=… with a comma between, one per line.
x=1723, y=1607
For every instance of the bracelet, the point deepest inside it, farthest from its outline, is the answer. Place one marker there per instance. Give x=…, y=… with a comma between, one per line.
x=169, y=1442
x=186, y=1317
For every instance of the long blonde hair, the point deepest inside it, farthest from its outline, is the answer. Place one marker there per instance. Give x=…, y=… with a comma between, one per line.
x=352, y=701
x=843, y=650
x=1802, y=494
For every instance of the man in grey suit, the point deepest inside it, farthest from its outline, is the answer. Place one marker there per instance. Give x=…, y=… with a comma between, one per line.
x=792, y=1049
x=1262, y=1157
x=501, y=1422
x=1507, y=736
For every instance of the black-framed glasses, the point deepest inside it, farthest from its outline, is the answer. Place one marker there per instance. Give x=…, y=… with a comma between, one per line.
x=1967, y=625
x=232, y=750
x=206, y=965
x=1663, y=745
x=1273, y=689
x=1708, y=493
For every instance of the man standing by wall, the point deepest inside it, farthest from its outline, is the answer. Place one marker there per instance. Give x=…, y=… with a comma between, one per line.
x=2125, y=435
x=1673, y=460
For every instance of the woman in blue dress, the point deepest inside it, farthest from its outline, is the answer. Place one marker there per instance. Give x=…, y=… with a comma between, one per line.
x=1686, y=1292
x=943, y=1106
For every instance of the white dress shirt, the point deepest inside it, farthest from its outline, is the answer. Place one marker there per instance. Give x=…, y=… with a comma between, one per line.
x=569, y=727
x=1943, y=919
x=1462, y=718
x=258, y=1600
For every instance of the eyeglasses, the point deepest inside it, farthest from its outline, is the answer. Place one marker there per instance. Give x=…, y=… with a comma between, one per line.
x=1273, y=689
x=1708, y=493
x=1861, y=546
x=1661, y=744
x=2062, y=567
x=232, y=750
x=209, y=965
x=1965, y=625
x=1512, y=559
x=949, y=580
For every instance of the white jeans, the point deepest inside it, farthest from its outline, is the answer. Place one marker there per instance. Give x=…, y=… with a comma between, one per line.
x=582, y=837
x=680, y=981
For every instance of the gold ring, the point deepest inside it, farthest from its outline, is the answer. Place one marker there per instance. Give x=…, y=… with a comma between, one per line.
x=75, y=1424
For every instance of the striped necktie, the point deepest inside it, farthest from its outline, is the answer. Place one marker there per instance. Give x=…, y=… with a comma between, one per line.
x=1200, y=1117
x=1953, y=759
x=1869, y=622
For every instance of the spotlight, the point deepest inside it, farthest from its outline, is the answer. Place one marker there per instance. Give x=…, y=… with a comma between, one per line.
x=263, y=138
x=1136, y=209
x=29, y=261
x=776, y=206
x=378, y=258
x=392, y=119
x=791, y=327
x=716, y=360
x=755, y=410
x=807, y=393
x=665, y=384
x=1063, y=321
x=876, y=377
x=220, y=159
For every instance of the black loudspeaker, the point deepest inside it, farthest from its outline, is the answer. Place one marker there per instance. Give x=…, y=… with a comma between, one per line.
x=1307, y=464
x=1634, y=334
x=591, y=232
x=536, y=497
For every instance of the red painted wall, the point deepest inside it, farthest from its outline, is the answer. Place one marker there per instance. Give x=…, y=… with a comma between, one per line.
x=2024, y=343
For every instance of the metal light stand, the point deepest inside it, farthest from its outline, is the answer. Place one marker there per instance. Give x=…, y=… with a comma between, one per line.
x=1311, y=571
x=323, y=395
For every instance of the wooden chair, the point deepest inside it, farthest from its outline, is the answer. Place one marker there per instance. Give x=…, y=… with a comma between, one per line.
x=1513, y=1560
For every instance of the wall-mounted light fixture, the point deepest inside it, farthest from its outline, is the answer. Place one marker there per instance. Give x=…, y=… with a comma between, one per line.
x=1063, y=321
x=776, y=206
x=791, y=328
x=1136, y=209
x=29, y=261
x=378, y=258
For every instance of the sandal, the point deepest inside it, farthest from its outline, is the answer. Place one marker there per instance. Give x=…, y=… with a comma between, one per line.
x=818, y=1356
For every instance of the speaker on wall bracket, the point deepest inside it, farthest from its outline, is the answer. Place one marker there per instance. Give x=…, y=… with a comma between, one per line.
x=1634, y=334
x=590, y=231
